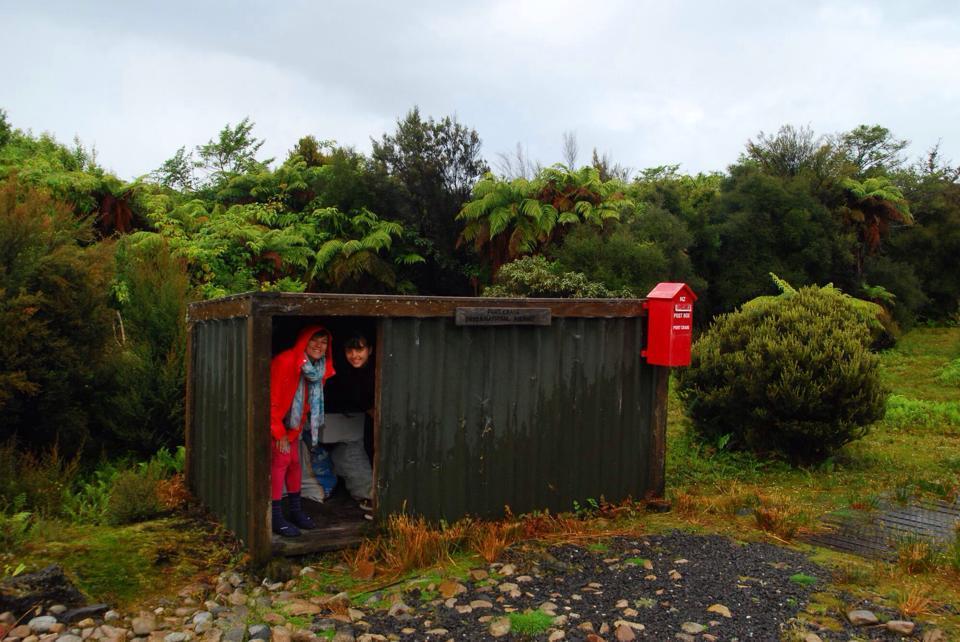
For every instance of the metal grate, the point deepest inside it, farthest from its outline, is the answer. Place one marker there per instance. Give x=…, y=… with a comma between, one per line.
x=878, y=533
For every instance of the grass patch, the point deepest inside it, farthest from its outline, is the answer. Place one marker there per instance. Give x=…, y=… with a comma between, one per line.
x=803, y=579
x=906, y=413
x=913, y=367
x=530, y=623
x=126, y=565
x=950, y=375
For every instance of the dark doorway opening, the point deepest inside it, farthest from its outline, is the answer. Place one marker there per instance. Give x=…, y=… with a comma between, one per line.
x=341, y=518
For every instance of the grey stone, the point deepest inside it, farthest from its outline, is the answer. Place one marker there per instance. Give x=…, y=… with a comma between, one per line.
x=693, y=628
x=202, y=616
x=57, y=609
x=42, y=624
x=74, y=615
x=46, y=586
x=499, y=627
x=235, y=634
x=144, y=624
x=69, y=637
x=399, y=608
x=903, y=627
x=178, y=636
x=259, y=632
x=625, y=634
x=862, y=617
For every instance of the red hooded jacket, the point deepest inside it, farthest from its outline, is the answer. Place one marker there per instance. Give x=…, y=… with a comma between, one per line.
x=285, y=377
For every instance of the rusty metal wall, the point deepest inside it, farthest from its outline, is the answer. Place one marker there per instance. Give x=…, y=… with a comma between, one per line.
x=218, y=444
x=476, y=418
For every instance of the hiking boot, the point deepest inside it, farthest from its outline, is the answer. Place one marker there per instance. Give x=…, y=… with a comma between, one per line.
x=281, y=526
x=297, y=516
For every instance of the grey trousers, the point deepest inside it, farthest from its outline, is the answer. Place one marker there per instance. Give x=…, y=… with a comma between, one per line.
x=350, y=462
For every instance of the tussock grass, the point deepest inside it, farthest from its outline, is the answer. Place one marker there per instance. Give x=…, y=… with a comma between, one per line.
x=411, y=544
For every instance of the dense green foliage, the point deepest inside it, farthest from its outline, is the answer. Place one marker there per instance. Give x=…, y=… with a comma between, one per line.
x=791, y=374
x=55, y=319
x=151, y=290
x=96, y=271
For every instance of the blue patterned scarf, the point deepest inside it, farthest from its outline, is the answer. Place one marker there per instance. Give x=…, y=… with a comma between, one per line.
x=312, y=374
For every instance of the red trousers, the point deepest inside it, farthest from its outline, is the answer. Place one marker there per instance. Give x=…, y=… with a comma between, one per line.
x=285, y=467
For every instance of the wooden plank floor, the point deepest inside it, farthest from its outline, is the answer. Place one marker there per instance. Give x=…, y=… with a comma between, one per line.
x=878, y=532
x=340, y=524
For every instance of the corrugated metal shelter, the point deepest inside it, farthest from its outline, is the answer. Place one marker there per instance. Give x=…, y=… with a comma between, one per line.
x=480, y=404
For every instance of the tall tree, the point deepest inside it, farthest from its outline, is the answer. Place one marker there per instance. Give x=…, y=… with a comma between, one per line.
x=872, y=150
x=177, y=172
x=434, y=164
x=517, y=164
x=6, y=131
x=234, y=151
x=788, y=152
x=571, y=149
x=311, y=150
x=872, y=207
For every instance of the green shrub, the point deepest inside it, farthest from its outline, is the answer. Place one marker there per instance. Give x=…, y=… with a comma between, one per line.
x=95, y=499
x=14, y=529
x=36, y=482
x=634, y=255
x=90, y=501
x=134, y=495
x=151, y=291
x=55, y=323
x=789, y=374
x=535, y=276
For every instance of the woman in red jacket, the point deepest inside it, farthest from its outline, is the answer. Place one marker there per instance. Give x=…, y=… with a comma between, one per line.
x=297, y=377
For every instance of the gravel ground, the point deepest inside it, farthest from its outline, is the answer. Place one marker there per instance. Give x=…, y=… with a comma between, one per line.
x=666, y=583
x=677, y=586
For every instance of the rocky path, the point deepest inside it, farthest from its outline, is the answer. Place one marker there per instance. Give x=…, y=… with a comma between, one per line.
x=667, y=587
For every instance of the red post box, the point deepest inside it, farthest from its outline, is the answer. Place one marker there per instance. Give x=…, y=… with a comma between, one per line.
x=669, y=324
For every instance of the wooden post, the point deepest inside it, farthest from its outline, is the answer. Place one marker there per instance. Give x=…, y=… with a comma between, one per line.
x=658, y=435
x=191, y=457
x=259, y=330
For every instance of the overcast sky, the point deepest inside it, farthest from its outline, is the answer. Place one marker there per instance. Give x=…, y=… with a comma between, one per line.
x=648, y=82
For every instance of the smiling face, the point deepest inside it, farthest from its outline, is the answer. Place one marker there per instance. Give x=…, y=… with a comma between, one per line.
x=358, y=355
x=317, y=346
